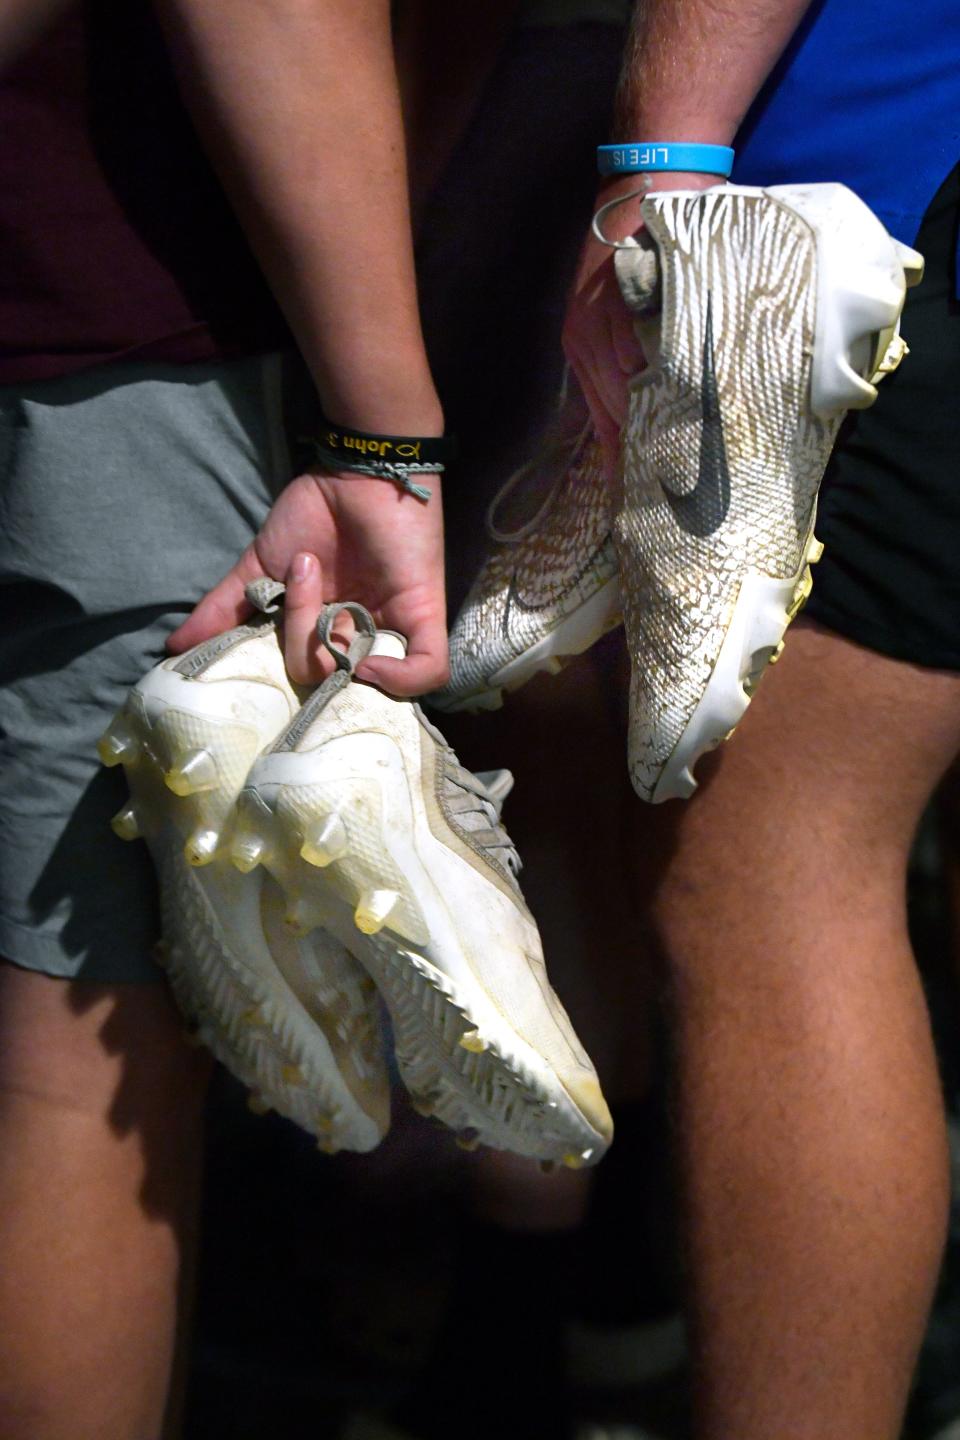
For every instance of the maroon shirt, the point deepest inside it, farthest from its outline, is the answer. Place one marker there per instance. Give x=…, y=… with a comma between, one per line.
x=116, y=240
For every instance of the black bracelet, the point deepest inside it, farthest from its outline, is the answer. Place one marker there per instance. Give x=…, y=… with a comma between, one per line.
x=386, y=457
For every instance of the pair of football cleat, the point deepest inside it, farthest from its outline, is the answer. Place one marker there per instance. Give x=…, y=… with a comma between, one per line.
x=764, y=315
x=318, y=852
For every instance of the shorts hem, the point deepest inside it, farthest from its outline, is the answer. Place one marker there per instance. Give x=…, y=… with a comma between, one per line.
x=30, y=949
x=876, y=638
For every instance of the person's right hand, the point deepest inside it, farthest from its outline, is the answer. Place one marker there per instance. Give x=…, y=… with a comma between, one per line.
x=598, y=332
x=344, y=538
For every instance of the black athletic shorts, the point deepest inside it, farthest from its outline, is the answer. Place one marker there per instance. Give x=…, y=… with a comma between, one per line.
x=890, y=504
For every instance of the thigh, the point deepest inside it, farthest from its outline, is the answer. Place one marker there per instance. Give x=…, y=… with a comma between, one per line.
x=125, y=493
x=811, y=807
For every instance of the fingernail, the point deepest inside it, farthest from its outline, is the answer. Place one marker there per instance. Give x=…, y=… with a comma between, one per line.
x=300, y=569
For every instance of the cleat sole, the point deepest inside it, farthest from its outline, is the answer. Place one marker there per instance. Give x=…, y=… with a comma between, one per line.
x=255, y=1023
x=458, y=1055
x=754, y=640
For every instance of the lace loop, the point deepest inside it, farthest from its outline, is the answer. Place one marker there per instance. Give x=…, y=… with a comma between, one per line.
x=362, y=642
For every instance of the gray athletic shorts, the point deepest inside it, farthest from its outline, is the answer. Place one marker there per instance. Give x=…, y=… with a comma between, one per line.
x=125, y=493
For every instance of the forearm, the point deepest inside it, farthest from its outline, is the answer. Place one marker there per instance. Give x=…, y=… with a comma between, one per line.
x=693, y=67
x=297, y=101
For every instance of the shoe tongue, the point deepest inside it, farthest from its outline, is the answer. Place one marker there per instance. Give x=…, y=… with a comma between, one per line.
x=389, y=643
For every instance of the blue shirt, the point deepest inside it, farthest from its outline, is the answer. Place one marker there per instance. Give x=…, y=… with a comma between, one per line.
x=867, y=93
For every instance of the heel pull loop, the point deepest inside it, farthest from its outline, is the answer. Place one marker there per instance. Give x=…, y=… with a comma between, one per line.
x=605, y=210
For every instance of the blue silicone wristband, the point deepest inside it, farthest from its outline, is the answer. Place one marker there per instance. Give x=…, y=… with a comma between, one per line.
x=643, y=155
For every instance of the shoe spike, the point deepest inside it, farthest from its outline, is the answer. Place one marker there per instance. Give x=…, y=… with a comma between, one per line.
x=201, y=846
x=299, y=918
x=118, y=745
x=256, y=1104
x=325, y=842
x=254, y=1016
x=292, y=1075
x=473, y=1041
x=125, y=823
x=196, y=772
x=374, y=910
x=247, y=850
x=468, y=1139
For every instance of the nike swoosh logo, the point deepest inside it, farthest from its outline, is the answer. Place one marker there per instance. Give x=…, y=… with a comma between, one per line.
x=515, y=600
x=704, y=509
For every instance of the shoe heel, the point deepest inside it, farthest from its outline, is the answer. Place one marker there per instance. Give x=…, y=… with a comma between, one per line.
x=862, y=278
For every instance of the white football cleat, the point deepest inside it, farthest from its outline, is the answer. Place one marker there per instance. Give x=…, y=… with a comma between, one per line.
x=296, y=1021
x=765, y=314
x=548, y=588
x=373, y=829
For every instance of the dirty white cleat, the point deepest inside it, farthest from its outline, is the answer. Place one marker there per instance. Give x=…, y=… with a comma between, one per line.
x=297, y=1021
x=366, y=818
x=548, y=587
x=765, y=315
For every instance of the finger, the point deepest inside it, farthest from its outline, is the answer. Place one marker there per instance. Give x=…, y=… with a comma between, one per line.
x=221, y=608
x=425, y=668
x=626, y=346
x=608, y=431
x=302, y=604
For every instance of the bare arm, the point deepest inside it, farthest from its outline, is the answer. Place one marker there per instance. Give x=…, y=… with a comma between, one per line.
x=298, y=104
x=691, y=71
x=693, y=67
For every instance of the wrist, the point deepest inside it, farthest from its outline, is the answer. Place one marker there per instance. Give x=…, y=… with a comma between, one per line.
x=385, y=388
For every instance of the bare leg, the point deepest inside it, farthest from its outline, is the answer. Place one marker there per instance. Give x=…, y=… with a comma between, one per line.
x=811, y=1138
x=100, y=1129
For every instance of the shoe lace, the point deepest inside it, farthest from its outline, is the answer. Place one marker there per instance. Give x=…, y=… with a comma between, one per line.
x=559, y=452
x=477, y=801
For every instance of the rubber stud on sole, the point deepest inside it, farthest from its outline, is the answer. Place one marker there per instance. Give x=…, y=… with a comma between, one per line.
x=299, y=918
x=256, y=1104
x=324, y=843
x=374, y=910
x=246, y=851
x=125, y=823
x=196, y=772
x=118, y=746
x=473, y=1041
x=201, y=847
x=468, y=1139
